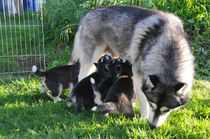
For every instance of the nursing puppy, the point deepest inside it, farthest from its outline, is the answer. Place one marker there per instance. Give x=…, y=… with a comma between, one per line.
x=155, y=44
x=82, y=94
x=57, y=79
x=100, y=91
x=120, y=95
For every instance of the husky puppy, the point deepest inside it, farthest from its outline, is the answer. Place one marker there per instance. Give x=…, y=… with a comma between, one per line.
x=155, y=44
x=82, y=93
x=57, y=79
x=120, y=95
x=100, y=91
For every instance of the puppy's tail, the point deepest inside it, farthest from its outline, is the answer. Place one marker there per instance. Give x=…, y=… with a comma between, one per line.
x=36, y=71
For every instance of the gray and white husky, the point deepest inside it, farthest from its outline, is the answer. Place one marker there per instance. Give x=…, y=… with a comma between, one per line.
x=155, y=44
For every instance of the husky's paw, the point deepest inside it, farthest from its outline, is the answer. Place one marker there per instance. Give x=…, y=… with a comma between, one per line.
x=94, y=108
x=92, y=80
x=133, y=104
x=69, y=104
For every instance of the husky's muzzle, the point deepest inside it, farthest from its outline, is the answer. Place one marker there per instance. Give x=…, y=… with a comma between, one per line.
x=157, y=117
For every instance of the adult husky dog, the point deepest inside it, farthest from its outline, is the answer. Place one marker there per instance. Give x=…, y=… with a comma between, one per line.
x=155, y=44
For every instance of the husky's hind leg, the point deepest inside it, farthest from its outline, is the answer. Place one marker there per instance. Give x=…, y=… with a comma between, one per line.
x=87, y=49
x=88, y=57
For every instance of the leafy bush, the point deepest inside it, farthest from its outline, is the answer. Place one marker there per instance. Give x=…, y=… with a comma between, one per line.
x=61, y=19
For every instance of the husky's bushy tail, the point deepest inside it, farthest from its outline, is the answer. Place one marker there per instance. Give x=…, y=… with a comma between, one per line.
x=36, y=71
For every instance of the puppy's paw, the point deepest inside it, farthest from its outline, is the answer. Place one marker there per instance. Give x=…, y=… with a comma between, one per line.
x=69, y=104
x=58, y=99
x=94, y=108
x=92, y=80
x=43, y=89
x=51, y=96
x=106, y=114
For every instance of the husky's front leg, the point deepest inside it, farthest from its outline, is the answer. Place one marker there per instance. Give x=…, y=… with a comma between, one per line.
x=143, y=102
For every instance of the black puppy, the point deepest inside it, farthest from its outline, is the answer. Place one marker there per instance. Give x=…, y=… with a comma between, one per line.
x=82, y=93
x=58, y=78
x=100, y=91
x=121, y=94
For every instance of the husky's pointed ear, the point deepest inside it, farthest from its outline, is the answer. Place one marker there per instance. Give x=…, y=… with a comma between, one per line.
x=179, y=88
x=96, y=64
x=152, y=81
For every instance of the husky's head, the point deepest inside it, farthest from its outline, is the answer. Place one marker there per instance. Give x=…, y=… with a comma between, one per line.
x=163, y=99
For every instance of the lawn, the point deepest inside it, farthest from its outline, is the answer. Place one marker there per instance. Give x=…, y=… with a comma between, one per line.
x=27, y=113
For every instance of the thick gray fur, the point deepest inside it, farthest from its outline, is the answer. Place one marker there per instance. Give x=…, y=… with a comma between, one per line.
x=155, y=44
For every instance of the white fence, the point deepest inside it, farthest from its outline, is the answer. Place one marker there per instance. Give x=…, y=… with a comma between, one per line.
x=21, y=36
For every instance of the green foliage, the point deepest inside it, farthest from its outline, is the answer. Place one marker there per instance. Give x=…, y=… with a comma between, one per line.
x=61, y=18
x=27, y=113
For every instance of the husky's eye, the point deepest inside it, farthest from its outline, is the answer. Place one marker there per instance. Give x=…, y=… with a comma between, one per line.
x=153, y=105
x=164, y=109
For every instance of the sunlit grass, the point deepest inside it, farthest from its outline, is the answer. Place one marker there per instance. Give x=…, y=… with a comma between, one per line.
x=26, y=112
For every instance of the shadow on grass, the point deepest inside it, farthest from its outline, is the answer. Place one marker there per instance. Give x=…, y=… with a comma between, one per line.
x=35, y=114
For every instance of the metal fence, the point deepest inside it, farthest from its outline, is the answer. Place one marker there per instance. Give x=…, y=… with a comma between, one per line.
x=21, y=36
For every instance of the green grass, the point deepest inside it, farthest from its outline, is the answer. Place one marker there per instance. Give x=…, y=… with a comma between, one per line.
x=27, y=113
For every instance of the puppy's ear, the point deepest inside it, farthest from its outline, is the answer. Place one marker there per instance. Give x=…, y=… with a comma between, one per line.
x=96, y=64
